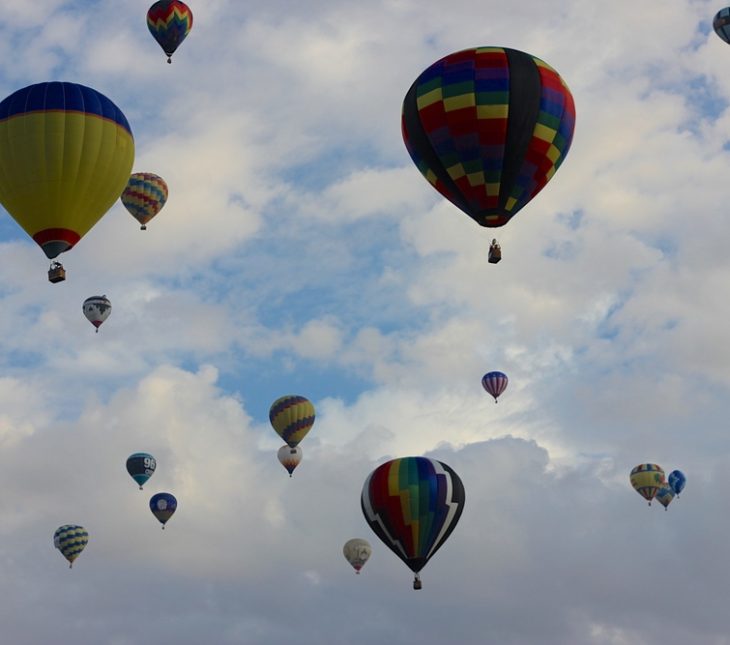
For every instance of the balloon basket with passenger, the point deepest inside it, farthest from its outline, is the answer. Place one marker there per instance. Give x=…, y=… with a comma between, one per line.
x=495, y=252
x=56, y=273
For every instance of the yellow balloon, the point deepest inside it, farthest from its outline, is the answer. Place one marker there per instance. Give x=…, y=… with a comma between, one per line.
x=292, y=417
x=647, y=479
x=66, y=152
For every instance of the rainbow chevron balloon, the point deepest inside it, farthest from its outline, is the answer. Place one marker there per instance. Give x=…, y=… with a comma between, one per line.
x=169, y=22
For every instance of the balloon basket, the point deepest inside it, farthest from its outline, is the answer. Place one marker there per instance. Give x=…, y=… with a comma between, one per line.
x=56, y=273
x=417, y=584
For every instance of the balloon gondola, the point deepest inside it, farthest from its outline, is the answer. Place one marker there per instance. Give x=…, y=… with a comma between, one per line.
x=488, y=127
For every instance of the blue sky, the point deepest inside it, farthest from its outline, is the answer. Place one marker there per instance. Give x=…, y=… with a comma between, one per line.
x=302, y=252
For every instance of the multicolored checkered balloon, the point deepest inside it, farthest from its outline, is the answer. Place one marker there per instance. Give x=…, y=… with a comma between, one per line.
x=488, y=127
x=144, y=196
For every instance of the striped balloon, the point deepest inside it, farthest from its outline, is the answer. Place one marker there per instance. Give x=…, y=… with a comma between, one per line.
x=292, y=417
x=488, y=127
x=169, y=22
x=70, y=540
x=647, y=479
x=144, y=196
x=413, y=504
x=495, y=383
x=721, y=24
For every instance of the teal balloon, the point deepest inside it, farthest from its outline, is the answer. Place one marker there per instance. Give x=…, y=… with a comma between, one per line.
x=141, y=466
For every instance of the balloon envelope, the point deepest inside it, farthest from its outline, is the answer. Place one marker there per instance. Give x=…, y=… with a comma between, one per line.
x=163, y=506
x=721, y=24
x=97, y=310
x=290, y=458
x=665, y=494
x=66, y=154
x=169, y=22
x=70, y=540
x=413, y=504
x=488, y=127
x=677, y=480
x=647, y=479
x=495, y=383
x=292, y=417
x=144, y=196
x=141, y=466
x=357, y=552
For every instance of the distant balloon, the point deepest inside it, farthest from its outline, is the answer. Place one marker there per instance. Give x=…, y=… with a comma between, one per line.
x=721, y=24
x=141, y=466
x=169, y=22
x=647, y=480
x=292, y=417
x=67, y=153
x=97, y=310
x=495, y=383
x=144, y=196
x=357, y=552
x=665, y=495
x=488, y=127
x=70, y=540
x=290, y=458
x=413, y=504
x=677, y=480
x=163, y=506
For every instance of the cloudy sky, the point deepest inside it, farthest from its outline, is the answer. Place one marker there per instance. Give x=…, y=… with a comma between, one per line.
x=302, y=252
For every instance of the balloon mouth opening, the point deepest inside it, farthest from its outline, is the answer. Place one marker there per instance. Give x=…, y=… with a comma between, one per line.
x=55, y=241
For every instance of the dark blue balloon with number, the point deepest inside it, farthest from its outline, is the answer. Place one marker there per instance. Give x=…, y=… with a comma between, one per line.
x=163, y=505
x=141, y=466
x=677, y=480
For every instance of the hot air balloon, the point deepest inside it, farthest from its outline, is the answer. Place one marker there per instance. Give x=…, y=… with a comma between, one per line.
x=290, y=458
x=647, y=479
x=70, y=540
x=144, y=196
x=664, y=495
x=292, y=417
x=357, y=552
x=677, y=480
x=163, y=506
x=97, y=310
x=721, y=24
x=488, y=127
x=141, y=466
x=65, y=157
x=495, y=383
x=413, y=504
x=169, y=22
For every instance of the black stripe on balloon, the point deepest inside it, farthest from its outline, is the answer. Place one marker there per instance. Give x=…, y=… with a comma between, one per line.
x=419, y=142
x=458, y=495
x=524, y=109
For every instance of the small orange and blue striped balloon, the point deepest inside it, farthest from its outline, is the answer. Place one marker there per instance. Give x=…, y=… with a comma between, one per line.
x=169, y=22
x=292, y=416
x=144, y=196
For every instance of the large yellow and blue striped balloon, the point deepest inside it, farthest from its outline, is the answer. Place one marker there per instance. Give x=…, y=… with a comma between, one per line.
x=66, y=152
x=647, y=479
x=70, y=540
x=144, y=196
x=292, y=417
